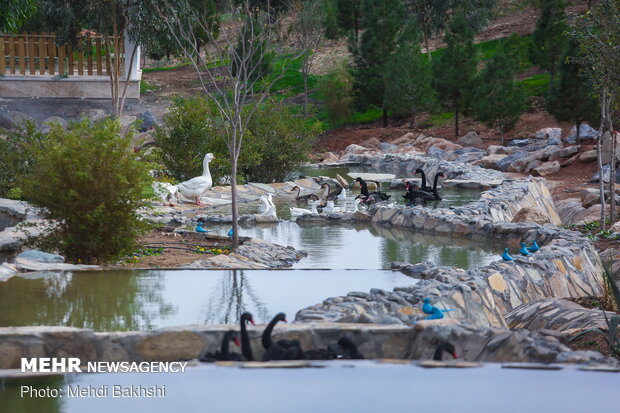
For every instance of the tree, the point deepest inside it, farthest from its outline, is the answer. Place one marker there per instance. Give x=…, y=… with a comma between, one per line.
x=237, y=94
x=570, y=96
x=381, y=20
x=455, y=70
x=90, y=185
x=500, y=101
x=307, y=34
x=15, y=12
x=598, y=35
x=548, y=39
x=408, y=77
x=349, y=16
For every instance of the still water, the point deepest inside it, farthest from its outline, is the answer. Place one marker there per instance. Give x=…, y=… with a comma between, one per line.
x=151, y=299
x=359, y=386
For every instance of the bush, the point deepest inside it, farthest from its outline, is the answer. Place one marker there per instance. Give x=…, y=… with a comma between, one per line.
x=277, y=143
x=336, y=90
x=90, y=185
x=188, y=132
x=17, y=156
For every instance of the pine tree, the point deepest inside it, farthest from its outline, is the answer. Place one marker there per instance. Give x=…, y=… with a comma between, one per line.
x=570, y=97
x=500, y=101
x=408, y=77
x=548, y=39
x=349, y=16
x=382, y=21
x=455, y=70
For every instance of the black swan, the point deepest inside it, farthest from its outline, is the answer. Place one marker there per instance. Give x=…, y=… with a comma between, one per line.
x=369, y=198
x=444, y=346
x=423, y=187
x=414, y=196
x=223, y=354
x=345, y=349
x=246, y=348
x=283, y=349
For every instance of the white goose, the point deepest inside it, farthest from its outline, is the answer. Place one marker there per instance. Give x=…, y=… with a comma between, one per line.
x=195, y=187
x=297, y=212
x=267, y=207
x=342, y=196
x=165, y=191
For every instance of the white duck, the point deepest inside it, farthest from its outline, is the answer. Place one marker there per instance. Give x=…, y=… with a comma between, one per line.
x=195, y=187
x=342, y=196
x=165, y=191
x=297, y=212
x=329, y=208
x=267, y=207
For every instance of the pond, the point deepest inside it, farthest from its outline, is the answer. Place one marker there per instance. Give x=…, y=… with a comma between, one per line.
x=364, y=246
x=151, y=299
x=359, y=386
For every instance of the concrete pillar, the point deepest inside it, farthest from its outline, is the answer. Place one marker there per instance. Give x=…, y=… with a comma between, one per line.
x=130, y=45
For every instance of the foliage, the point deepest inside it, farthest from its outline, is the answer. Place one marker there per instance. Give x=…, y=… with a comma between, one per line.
x=455, y=70
x=17, y=156
x=408, y=77
x=330, y=19
x=279, y=142
x=261, y=57
x=336, y=91
x=548, y=38
x=188, y=132
x=14, y=12
x=500, y=101
x=570, y=97
x=536, y=85
x=381, y=20
x=90, y=184
x=349, y=16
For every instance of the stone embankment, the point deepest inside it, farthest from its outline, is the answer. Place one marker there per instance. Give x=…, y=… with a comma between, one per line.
x=374, y=341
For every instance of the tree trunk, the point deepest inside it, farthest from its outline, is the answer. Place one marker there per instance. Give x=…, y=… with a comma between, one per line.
x=304, y=71
x=233, y=193
x=612, y=171
x=599, y=157
x=426, y=46
x=456, y=122
x=385, y=118
x=578, y=132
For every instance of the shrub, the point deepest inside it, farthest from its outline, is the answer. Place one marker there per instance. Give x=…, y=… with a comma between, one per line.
x=336, y=90
x=90, y=184
x=17, y=157
x=278, y=142
x=188, y=132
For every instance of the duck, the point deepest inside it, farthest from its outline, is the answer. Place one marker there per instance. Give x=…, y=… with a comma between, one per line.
x=224, y=353
x=534, y=247
x=199, y=227
x=506, y=256
x=165, y=191
x=246, y=348
x=282, y=349
x=196, y=187
x=435, y=312
x=342, y=196
x=297, y=212
x=302, y=198
x=330, y=195
x=444, y=346
x=267, y=207
x=524, y=250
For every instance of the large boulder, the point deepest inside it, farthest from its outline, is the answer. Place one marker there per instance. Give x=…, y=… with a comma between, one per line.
x=547, y=168
x=491, y=161
x=606, y=148
x=408, y=137
x=588, y=156
x=499, y=150
x=505, y=163
x=586, y=133
x=532, y=214
x=353, y=148
x=40, y=256
x=548, y=133
x=589, y=197
x=471, y=139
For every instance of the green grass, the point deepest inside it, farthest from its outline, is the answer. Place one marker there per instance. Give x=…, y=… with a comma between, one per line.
x=441, y=119
x=516, y=46
x=537, y=85
x=163, y=68
x=292, y=82
x=147, y=87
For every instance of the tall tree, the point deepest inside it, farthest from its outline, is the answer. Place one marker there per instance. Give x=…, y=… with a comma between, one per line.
x=455, y=70
x=15, y=12
x=549, y=37
x=232, y=85
x=499, y=101
x=381, y=20
x=570, y=97
x=408, y=77
x=349, y=16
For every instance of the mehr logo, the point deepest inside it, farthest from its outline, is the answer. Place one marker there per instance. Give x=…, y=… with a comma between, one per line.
x=51, y=365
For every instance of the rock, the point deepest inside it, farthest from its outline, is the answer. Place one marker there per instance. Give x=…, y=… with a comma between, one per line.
x=471, y=139
x=499, y=150
x=329, y=157
x=40, y=256
x=170, y=346
x=127, y=120
x=569, y=161
x=521, y=142
x=47, y=123
x=504, y=163
x=563, y=152
x=7, y=271
x=6, y=121
x=589, y=197
x=586, y=133
x=548, y=133
x=606, y=172
x=148, y=121
x=95, y=114
x=532, y=214
x=342, y=181
x=406, y=138
x=353, y=148
x=554, y=141
x=435, y=152
x=371, y=143
x=588, y=156
x=387, y=147
x=547, y=168
x=615, y=227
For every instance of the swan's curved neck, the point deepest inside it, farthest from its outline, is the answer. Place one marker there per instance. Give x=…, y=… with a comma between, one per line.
x=205, y=167
x=298, y=192
x=245, y=342
x=224, y=348
x=435, y=182
x=266, y=338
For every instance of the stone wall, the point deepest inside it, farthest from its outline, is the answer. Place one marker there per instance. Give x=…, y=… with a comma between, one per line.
x=374, y=341
x=566, y=266
x=11, y=214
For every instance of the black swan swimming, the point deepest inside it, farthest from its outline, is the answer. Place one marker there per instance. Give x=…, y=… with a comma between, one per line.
x=414, y=196
x=246, y=348
x=283, y=349
x=444, y=346
x=425, y=188
x=369, y=198
x=223, y=354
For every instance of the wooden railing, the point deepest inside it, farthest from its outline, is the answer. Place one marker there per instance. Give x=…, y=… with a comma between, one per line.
x=31, y=54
